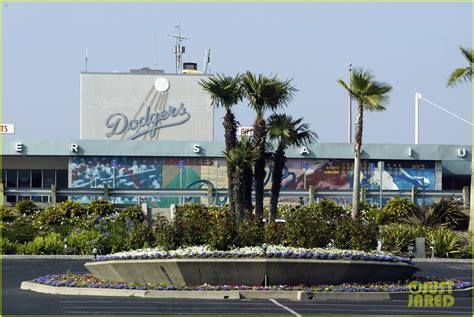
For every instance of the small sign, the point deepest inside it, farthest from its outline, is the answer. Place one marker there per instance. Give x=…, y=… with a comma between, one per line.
x=7, y=128
x=248, y=131
x=372, y=166
x=305, y=165
x=114, y=163
x=181, y=164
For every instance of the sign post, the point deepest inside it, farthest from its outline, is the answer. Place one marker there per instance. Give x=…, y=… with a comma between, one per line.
x=181, y=165
x=305, y=167
x=381, y=168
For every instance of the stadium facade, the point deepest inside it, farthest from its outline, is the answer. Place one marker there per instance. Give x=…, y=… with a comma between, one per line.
x=150, y=130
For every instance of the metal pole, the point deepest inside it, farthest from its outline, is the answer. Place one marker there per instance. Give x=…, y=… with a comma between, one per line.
x=381, y=167
x=417, y=111
x=349, y=124
x=304, y=179
x=181, y=183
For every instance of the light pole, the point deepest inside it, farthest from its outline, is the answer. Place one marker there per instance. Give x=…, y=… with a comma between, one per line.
x=349, y=124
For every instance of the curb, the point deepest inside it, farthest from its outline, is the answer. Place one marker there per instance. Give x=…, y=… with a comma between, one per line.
x=47, y=257
x=441, y=260
x=243, y=294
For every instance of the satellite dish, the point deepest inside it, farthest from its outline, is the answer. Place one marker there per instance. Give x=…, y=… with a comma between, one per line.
x=162, y=84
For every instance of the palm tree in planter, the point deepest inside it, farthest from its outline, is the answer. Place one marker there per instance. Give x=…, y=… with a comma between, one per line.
x=462, y=74
x=241, y=157
x=226, y=91
x=264, y=93
x=287, y=132
x=370, y=95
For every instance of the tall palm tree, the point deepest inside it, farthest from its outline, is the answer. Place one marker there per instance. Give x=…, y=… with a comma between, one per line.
x=241, y=157
x=226, y=91
x=462, y=74
x=286, y=131
x=370, y=95
x=264, y=93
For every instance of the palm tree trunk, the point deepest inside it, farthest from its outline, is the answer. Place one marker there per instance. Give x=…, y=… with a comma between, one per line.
x=357, y=152
x=278, y=165
x=238, y=197
x=259, y=138
x=247, y=182
x=230, y=128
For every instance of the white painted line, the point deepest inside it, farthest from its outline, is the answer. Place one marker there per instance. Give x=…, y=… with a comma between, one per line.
x=284, y=307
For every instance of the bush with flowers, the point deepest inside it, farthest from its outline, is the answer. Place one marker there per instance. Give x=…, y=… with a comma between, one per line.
x=90, y=281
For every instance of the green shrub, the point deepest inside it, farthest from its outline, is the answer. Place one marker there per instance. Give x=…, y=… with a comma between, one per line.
x=21, y=230
x=83, y=242
x=140, y=236
x=273, y=233
x=192, y=223
x=134, y=213
x=222, y=231
x=51, y=215
x=248, y=232
x=396, y=237
x=447, y=243
x=396, y=210
x=116, y=234
x=329, y=211
x=72, y=210
x=100, y=207
x=26, y=207
x=444, y=212
x=355, y=234
x=49, y=244
x=449, y=211
x=7, y=214
x=465, y=242
x=165, y=234
x=7, y=246
x=305, y=227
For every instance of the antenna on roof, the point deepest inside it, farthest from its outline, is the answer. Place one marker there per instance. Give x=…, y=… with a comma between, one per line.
x=178, y=49
x=156, y=51
x=207, y=61
x=86, y=60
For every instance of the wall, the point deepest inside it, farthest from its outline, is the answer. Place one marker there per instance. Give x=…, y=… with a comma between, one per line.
x=141, y=107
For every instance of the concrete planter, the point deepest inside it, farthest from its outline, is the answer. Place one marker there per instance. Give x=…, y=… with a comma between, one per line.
x=250, y=271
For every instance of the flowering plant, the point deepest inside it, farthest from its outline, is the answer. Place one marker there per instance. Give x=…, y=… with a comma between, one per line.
x=89, y=281
x=271, y=251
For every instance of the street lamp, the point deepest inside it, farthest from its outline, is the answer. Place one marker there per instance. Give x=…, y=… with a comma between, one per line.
x=349, y=124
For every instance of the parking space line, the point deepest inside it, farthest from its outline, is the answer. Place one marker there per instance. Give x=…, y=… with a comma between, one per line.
x=285, y=308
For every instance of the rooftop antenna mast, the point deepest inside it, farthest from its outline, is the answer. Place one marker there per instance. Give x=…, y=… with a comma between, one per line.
x=207, y=61
x=178, y=49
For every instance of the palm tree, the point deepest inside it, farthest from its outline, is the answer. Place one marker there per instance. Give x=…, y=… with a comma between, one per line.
x=287, y=132
x=264, y=93
x=226, y=91
x=241, y=157
x=462, y=74
x=370, y=95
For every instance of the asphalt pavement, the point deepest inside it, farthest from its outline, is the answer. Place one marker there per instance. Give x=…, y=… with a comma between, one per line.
x=19, y=302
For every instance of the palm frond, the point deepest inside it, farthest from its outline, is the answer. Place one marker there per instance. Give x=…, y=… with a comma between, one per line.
x=467, y=53
x=267, y=93
x=459, y=75
x=225, y=91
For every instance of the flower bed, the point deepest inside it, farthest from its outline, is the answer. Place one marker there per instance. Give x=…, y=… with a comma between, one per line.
x=272, y=251
x=89, y=281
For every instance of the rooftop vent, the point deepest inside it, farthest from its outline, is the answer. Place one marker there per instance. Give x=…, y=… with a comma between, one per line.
x=146, y=70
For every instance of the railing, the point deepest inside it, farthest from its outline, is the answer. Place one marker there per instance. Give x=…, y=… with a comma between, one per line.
x=213, y=194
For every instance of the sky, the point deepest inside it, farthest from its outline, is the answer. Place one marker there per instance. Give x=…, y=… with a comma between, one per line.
x=411, y=46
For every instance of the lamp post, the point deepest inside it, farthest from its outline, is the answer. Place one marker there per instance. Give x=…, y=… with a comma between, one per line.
x=349, y=123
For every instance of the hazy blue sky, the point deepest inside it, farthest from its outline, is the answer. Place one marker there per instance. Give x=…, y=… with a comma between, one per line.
x=411, y=46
